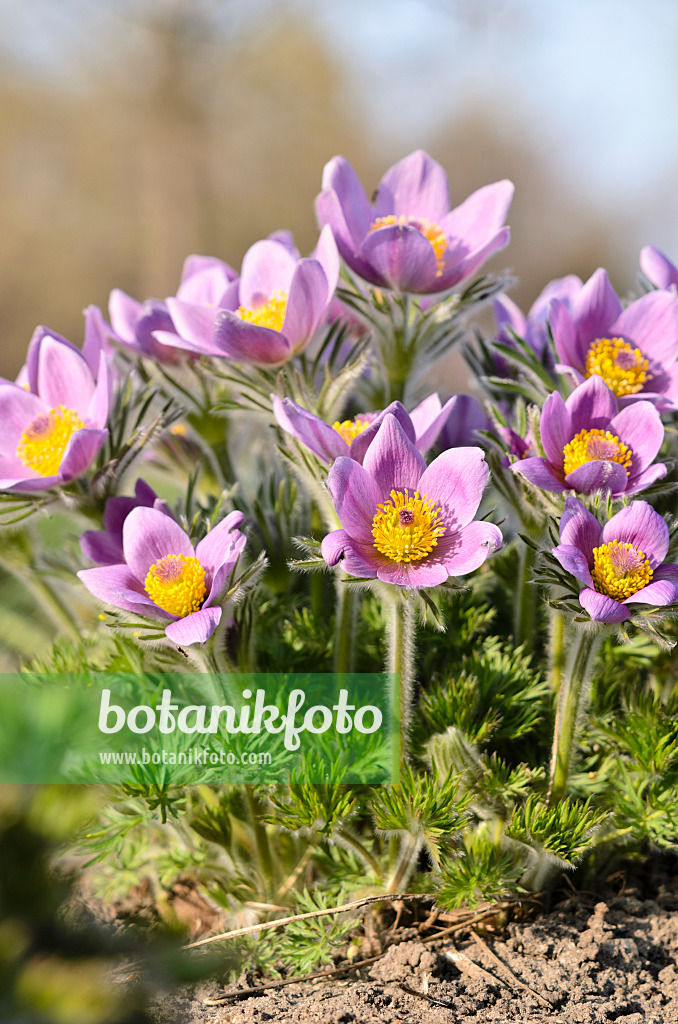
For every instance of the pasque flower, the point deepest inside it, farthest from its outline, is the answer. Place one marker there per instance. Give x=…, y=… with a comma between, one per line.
x=423, y=426
x=272, y=311
x=533, y=328
x=409, y=239
x=105, y=546
x=658, y=268
x=148, y=328
x=591, y=445
x=633, y=350
x=164, y=577
x=621, y=563
x=406, y=523
x=53, y=423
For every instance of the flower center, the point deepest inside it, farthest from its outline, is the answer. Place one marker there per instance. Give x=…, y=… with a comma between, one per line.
x=349, y=429
x=620, y=570
x=621, y=366
x=270, y=314
x=431, y=231
x=43, y=443
x=595, y=446
x=177, y=584
x=406, y=528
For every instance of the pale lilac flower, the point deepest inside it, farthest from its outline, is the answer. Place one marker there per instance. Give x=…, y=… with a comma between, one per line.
x=591, y=445
x=634, y=350
x=409, y=239
x=53, y=423
x=465, y=417
x=404, y=523
x=271, y=312
x=351, y=438
x=105, y=546
x=148, y=329
x=658, y=268
x=621, y=563
x=164, y=577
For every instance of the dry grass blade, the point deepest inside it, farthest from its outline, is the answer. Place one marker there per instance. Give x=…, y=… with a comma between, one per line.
x=507, y=970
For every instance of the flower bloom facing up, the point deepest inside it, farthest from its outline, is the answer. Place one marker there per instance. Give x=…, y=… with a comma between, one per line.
x=53, y=423
x=404, y=523
x=409, y=239
x=164, y=577
x=620, y=564
x=658, y=268
x=633, y=350
x=105, y=546
x=148, y=329
x=351, y=438
x=272, y=311
x=590, y=445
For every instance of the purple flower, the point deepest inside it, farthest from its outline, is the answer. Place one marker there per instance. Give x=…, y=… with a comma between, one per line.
x=620, y=563
x=590, y=445
x=352, y=438
x=164, y=577
x=272, y=311
x=533, y=327
x=105, y=546
x=465, y=417
x=658, y=268
x=634, y=350
x=53, y=422
x=148, y=328
x=409, y=239
x=404, y=523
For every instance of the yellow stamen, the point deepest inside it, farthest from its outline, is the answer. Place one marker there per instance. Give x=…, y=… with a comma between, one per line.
x=177, y=584
x=621, y=366
x=270, y=314
x=407, y=528
x=349, y=429
x=620, y=570
x=431, y=231
x=43, y=443
x=595, y=446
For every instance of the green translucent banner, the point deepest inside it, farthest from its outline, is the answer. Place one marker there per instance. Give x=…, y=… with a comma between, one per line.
x=181, y=729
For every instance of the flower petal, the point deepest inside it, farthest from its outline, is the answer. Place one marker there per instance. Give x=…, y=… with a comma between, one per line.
x=148, y=535
x=470, y=547
x=657, y=267
x=429, y=418
x=580, y=528
x=392, y=460
x=333, y=546
x=602, y=608
x=540, y=473
x=320, y=437
x=194, y=324
x=195, y=628
x=599, y=475
x=476, y=222
x=640, y=427
x=645, y=479
x=575, y=562
x=568, y=348
x=248, y=342
x=595, y=309
x=427, y=573
x=222, y=543
x=267, y=267
x=401, y=257
x=357, y=213
x=361, y=443
x=80, y=452
x=414, y=187
x=591, y=405
x=64, y=377
x=456, y=481
x=465, y=417
x=662, y=590
x=556, y=429
x=640, y=525
x=102, y=547
x=306, y=304
x=116, y=585
x=18, y=409
x=651, y=324
x=356, y=495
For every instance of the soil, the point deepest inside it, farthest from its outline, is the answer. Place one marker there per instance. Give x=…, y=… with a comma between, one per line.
x=609, y=956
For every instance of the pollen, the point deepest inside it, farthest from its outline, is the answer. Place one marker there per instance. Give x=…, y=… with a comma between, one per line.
x=431, y=231
x=595, y=446
x=43, y=442
x=350, y=429
x=620, y=570
x=271, y=314
x=177, y=584
x=407, y=528
x=622, y=367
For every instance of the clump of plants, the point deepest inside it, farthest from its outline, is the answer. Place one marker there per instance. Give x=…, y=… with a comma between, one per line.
x=267, y=473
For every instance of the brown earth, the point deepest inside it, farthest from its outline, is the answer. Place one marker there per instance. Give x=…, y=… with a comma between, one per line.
x=595, y=958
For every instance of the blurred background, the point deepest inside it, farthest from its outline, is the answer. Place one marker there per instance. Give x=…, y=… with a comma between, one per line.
x=134, y=132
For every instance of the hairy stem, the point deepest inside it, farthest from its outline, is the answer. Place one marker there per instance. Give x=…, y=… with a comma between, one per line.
x=406, y=861
x=260, y=836
x=557, y=650
x=349, y=839
x=573, y=692
x=526, y=599
x=347, y=610
x=401, y=659
x=45, y=597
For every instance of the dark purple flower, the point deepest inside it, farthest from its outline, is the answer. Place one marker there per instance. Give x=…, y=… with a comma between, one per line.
x=590, y=445
x=409, y=239
x=352, y=438
x=54, y=422
x=620, y=564
x=105, y=546
x=148, y=328
x=658, y=268
x=404, y=523
x=465, y=417
x=633, y=350
x=272, y=311
x=164, y=577
x=533, y=328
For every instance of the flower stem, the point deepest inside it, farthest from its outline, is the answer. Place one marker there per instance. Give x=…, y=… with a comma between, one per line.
x=573, y=691
x=408, y=855
x=526, y=599
x=347, y=608
x=401, y=659
x=260, y=836
x=557, y=650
